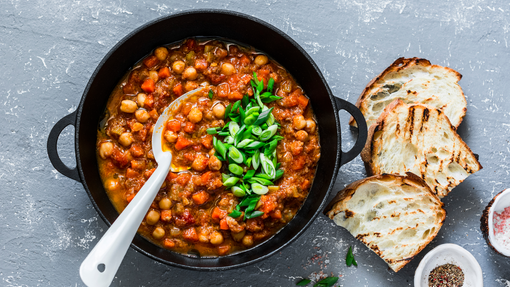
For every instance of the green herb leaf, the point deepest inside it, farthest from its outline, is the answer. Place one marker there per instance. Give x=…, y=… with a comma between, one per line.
x=211, y=94
x=303, y=282
x=349, y=260
x=326, y=282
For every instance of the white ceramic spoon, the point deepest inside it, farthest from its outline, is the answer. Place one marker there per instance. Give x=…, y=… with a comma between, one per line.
x=102, y=263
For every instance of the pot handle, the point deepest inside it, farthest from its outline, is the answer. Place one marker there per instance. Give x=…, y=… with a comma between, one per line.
x=362, y=130
x=57, y=163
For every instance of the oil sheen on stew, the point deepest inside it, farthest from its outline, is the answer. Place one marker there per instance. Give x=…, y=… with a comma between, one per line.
x=199, y=209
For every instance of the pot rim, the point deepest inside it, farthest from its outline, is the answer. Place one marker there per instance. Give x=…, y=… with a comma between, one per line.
x=501, y=249
x=140, y=28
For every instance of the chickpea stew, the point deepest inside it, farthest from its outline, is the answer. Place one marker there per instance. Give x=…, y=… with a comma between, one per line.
x=247, y=146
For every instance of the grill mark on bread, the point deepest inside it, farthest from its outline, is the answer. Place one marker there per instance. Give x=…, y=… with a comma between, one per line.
x=349, y=213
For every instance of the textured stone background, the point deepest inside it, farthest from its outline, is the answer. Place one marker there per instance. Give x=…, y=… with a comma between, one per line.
x=48, y=50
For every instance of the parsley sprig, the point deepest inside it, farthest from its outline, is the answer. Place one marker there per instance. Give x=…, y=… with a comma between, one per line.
x=249, y=148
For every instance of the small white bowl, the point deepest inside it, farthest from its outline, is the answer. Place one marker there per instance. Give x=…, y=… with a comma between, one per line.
x=498, y=204
x=449, y=253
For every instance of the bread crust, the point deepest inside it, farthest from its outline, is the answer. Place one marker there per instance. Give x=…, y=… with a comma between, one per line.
x=369, y=150
x=398, y=65
x=339, y=202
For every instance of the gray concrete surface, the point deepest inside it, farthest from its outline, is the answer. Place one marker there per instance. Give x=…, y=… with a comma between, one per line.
x=48, y=50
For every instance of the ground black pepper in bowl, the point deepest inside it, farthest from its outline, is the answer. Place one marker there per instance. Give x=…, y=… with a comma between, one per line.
x=446, y=275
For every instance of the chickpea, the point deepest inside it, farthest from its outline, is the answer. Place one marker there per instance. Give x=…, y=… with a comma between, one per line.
x=140, y=98
x=310, y=125
x=158, y=233
x=248, y=240
x=227, y=69
x=112, y=184
x=214, y=163
x=261, y=60
x=152, y=217
x=105, y=149
x=212, y=152
x=165, y=203
x=142, y=115
x=219, y=110
x=126, y=139
x=190, y=85
x=199, y=163
x=302, y=135
x=161, y=53
x=299, y=122
x=178, y=67
x=137, y=127
x=128, y=106
x=190, y=74
x=154, y=76
x=195, y=115
x=216, y=238
x=202, y=237
x=170, y=136
x=175, y=231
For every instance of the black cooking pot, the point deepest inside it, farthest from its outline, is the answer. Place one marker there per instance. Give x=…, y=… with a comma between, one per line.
x=209, y=23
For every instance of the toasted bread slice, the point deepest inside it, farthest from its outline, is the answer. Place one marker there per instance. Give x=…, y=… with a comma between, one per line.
x=395, y=216
x=414, y=81
x=421, y=140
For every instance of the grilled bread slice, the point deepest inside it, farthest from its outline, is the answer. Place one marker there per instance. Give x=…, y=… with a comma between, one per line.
x=421, y=140
x=414, y=81
x=395, y=216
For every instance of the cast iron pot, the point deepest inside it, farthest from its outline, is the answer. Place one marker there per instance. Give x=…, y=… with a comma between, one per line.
x=209, y=23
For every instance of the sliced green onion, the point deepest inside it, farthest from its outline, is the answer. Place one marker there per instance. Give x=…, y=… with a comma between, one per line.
x=270, y=120
x=235, y=213
x=255, y=144
x=220, y=147
x=236, y=106
x=254, y=214
x=279, y=174
x=252, y=110
x=260, y=180
x=259, y=188
x=224, y=177
x=263, y=117
x=267, y=166
x=239, y=136
x=244, y=143
x=237, y=191
x=223, y=134
x=270, y=85
x=212, y=131
x=211, y=94
x=249, y=174
x=271, y=148
x=247, y=162
x=235, y=154
x=256, y=160
x=256, y=130
x=227, y=110
x=229, y=140
x=249, y=120
x=267, y=134
x=231, y=181
x=233, y=128
x=245, y=101
x=235, y=169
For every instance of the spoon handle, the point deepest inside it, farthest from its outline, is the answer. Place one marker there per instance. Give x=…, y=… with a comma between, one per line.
x=102, y=263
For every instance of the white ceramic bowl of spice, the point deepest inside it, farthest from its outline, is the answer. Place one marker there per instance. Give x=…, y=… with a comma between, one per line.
x=451, y=263
x=495, y=223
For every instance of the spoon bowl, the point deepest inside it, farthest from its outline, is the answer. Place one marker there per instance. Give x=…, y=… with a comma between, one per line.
x=101, y=265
